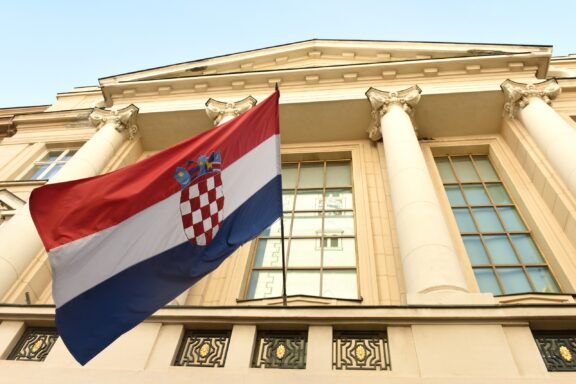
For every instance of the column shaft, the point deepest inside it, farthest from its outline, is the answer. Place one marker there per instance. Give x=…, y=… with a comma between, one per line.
x=428, y=257
x=429, y=260
x=554, y=136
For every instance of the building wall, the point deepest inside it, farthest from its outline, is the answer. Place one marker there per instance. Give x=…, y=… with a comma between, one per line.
x=447, y=336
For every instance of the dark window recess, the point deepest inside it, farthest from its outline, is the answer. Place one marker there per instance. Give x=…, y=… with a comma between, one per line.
x=558, y=349
x=280, y=350
x=35, y=344
x=203, y=349
x=360, y=350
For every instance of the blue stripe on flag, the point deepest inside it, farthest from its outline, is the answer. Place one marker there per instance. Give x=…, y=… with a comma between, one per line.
x=91, y=321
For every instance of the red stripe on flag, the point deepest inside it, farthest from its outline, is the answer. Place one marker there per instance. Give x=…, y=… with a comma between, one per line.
x=65, y=212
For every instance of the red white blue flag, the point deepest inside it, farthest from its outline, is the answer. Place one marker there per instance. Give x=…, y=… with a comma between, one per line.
x=124, y=244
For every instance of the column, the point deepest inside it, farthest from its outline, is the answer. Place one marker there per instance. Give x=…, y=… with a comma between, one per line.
x=429, y=260
x=219, y=112
x=18, y=237
x=555, y=137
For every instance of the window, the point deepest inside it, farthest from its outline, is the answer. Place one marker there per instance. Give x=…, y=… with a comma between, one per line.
x=49, y=164
x=505, y=258
x=319, y=239
x=35, y=344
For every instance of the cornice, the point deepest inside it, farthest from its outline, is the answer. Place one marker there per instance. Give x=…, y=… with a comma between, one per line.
x=282, y=52
x=419, y=71
x=52, y=118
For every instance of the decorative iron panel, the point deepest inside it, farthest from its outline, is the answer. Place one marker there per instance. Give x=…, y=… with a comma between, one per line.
x=557, y=349
x=35, y=344
x=360, y=350
x=280, y=350
x=203, y=349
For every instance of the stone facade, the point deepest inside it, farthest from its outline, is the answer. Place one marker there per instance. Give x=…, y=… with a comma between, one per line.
x=390, y=117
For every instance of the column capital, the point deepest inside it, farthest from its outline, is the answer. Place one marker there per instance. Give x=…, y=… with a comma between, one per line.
x=518, y=94
x=7, y=128
x=218, y=110
x=123, y=120
x=381, y=102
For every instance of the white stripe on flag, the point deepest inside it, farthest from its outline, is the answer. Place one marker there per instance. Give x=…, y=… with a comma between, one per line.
x=82, y=264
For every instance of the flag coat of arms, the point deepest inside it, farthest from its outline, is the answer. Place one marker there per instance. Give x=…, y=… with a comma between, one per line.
x=124, y=244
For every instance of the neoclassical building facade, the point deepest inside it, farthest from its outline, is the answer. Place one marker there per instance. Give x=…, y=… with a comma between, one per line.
x=429, y=194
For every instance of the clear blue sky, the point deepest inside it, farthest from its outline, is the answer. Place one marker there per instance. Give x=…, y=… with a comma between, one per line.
x=52, y=46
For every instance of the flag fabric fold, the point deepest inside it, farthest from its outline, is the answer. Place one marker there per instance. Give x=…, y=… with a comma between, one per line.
x=124, y=244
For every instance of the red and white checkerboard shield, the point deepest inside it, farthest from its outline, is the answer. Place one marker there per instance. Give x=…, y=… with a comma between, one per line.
x=201, y=205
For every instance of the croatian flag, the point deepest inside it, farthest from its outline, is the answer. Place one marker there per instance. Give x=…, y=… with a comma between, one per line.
x=124, y=244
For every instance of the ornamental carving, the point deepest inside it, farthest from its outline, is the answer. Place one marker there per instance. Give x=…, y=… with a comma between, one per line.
x=277, y=349
x=557, y=350
x=218, y=110
x=518, y=94
x=35, y=344
x=203, y=349
x=361, y=350
x=381, y=101
x=123, y=120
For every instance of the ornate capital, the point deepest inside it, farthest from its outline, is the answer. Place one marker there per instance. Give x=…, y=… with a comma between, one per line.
x=7, y=128
x=381, y=102
x=123, y=120
x=518, y=94
x=217, y=110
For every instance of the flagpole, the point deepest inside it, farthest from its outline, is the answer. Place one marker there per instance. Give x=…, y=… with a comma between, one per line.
x=284, y=296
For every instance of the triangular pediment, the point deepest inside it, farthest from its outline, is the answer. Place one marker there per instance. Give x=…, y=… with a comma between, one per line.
x=323, y=53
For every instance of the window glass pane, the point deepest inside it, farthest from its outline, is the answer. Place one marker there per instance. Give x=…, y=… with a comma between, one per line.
x=311, y=175
x=487, y=220
x=464, y=220
x=338, y=174
x=269, y=253
x=498, y=194
x=303, y=283
x=338, y=224
x=304, y=253
x=527, y=249
x=445, y=170
x=514, y=280
x=51, y=156
x=307, y=224
x=265, y=284
x=464, y=169
x=339, y=199
x=289, y=174
x=455, y=195
x=287, y=200
x=543, y=280
x=339, y=252
x=68, y=155
x=35, y=172
x=475, y=250
x=500, y=249
x=309, y=200
x=487, y=281
x=476, y=195
x=485, y=168
x=341, y=284
x=512, y=219
x=53, y=170
x=274, y=229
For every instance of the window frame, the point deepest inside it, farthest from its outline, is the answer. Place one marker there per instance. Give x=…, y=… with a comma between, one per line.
x=505, y=232
x=553, y=244
x=65, y=150
x=320, y=237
